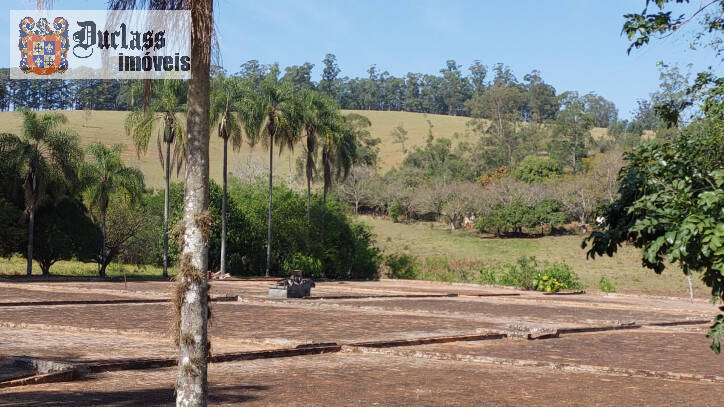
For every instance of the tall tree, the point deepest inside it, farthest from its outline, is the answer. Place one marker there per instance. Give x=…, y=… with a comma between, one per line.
x=329, y=75
x=456, y=89
x=338, y=154
x=224, y=109
x=572, y=132
x=46, y=156
x=192, y=382
x=104, y=176
x=318, y=114
x=191, y=298
x=300, y=77
x=163, y=114
x=271, y=114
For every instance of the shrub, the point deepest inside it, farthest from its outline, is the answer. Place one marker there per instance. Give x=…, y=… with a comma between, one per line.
x=516, y=216
x=527, y=274
x=549, y=213
x=63, y=231
x=522, y=274
x=345, y=249
x=396, y=210
x=556, y=277
x=309, y=266
x=402, y=266
x=537, y=169
x=606, y=285
x=487, y=276
x=507, y=218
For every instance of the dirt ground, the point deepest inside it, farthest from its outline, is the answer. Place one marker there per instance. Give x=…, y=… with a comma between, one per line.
x=402, y=343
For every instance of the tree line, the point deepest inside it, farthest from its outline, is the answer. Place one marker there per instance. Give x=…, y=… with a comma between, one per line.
x=448, y=92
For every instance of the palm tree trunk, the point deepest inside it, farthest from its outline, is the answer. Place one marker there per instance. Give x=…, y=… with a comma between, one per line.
x=102, y=264
x=165, y=210
x=309, y=199
x=192, y=290
x=269, y=219
x=324, y=211
x=31, y=230
x=222, y=267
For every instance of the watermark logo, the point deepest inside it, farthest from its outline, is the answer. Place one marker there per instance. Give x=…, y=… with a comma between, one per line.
x=100, y=44
x=43, y=50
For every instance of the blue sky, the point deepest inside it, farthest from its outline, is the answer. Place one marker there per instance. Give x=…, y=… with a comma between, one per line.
x=576, y=44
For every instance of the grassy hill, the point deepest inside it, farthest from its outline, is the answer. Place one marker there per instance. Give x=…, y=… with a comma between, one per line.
x=107, y=127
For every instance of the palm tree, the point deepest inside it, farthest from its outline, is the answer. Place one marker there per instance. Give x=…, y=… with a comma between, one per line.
x=318, y=114
x=163, y=114
x=47, y=156
x=339, y=149
x=104, y=176
x=192, y=287
x=271, y=113
x=224, y=115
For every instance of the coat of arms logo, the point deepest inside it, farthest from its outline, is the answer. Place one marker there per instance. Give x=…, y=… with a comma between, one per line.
x=43, y=50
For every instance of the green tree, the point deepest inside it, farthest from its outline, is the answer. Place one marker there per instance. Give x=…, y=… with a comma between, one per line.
x=670, y=205
x=399, y=136
x=541, y=100
x=162, y=114
x=46, y=157
x=329, y=75
x=224, y=114
x=103, y=177
x=300, y=77
x=64, y=232
x=501, y=104
x=11, y=228
x=672, y=194
x=571, y=132
x=537, y=169
x=455, y=89
x=273, y=115
x=319, y=114
x=367, y=149
x=339, y=149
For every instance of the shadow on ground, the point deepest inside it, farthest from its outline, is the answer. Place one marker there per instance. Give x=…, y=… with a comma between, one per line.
x=145, y=397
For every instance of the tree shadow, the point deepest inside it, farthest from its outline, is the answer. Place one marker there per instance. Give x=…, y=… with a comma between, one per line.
x=143, y=397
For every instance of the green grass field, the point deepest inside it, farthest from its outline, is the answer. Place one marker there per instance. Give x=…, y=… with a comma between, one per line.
x=470, y=249
x=16, y=266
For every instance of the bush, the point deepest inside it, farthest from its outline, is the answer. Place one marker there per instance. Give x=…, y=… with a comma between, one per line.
x=396, y=210
x=63, y=231
x=556, y=277
x=549, y=213
x=402, y=266
x=514, y=217
x=507, y=218
x=606, y=285
x=345, y=249
x=309, y=266
x=487, y=276
x=522, y=274
x=537, y=169
x=527, y=274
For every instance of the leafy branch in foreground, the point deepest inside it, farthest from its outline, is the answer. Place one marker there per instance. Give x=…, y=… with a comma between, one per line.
x=671, y=205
